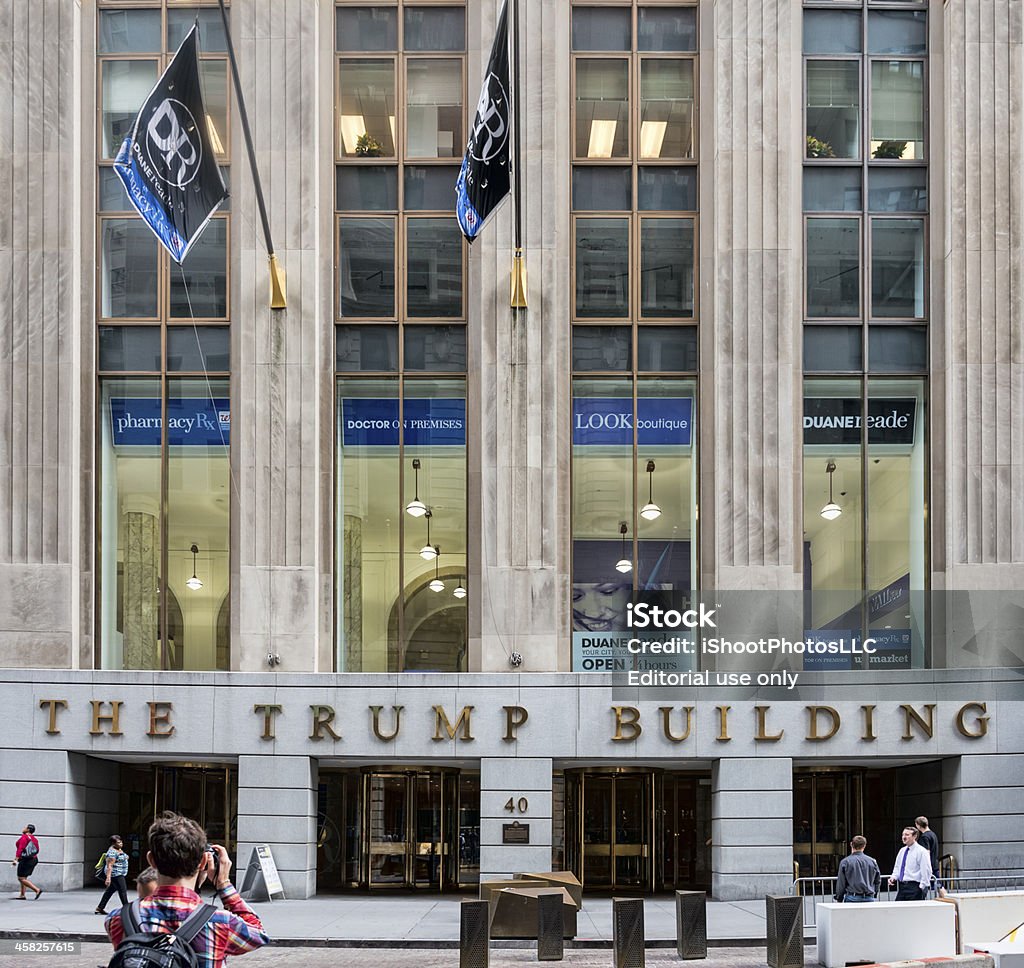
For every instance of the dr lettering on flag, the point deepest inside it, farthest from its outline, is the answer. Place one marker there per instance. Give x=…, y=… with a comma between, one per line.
x=167, y=164
x=485, y=178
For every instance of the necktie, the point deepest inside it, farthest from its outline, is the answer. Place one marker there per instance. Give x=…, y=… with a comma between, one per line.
x=903, y=866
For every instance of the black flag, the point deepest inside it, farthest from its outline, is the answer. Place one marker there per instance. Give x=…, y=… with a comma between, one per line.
x=167, y=163
x=485, y=178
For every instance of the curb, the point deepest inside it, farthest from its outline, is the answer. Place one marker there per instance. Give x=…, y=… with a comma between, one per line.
x=400, y=944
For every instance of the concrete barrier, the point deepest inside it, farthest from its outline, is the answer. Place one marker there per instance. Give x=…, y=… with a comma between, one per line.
x=885, y=931
x=985, y=916
x=1005, y=954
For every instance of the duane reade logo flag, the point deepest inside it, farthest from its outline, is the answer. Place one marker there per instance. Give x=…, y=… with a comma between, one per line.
x=485, y=178
x=167, y=163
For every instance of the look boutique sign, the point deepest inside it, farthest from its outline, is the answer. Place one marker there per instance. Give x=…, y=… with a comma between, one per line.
x=626, y=724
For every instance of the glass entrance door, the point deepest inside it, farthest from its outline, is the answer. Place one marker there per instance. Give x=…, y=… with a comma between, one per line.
x=421, y=829
x=685, y=841
x=387, y=813
x=615, y=830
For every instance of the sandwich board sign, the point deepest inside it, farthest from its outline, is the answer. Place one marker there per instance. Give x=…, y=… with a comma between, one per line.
x=261, y=875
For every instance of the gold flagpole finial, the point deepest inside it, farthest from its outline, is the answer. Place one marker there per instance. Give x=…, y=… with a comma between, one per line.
x=278, y=300
x=517, y=297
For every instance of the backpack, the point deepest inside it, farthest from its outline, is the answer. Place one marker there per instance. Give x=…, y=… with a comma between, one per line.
x=30, y=849
x=139, y=949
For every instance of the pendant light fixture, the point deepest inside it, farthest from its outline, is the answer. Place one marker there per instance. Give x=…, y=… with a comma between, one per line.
x=650, y=510
x=428, y=552
x=436, y=585
x=460, y=590
x=416, y=507
x=625, y=563
x=831, y=511
x=195, y=583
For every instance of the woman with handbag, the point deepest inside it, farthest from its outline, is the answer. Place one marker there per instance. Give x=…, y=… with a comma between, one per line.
x=26, y=856
x=114, y=873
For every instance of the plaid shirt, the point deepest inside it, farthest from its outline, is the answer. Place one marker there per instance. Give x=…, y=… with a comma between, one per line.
x=233, y=931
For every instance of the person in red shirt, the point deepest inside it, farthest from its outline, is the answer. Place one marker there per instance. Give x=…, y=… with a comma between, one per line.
x=26, y=856
x=178, y=851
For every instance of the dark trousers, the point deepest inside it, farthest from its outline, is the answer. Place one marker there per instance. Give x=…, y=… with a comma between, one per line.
x=910, y=891
x=116, y=884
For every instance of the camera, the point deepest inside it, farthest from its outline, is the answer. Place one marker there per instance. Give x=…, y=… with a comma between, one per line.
x=214, y=869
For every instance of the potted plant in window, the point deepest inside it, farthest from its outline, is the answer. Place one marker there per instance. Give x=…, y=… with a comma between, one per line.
x=819, y=149
x=889, y=149
x=368, y=147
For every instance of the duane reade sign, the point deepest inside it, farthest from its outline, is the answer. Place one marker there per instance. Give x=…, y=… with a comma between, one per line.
x=837, y=420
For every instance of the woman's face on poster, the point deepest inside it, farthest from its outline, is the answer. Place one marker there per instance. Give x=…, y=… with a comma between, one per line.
x=600, y=606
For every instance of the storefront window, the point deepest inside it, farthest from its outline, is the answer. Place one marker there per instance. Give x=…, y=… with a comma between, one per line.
x=401, y=501
x=164, y=520
x=634, y=501
x=865, y=516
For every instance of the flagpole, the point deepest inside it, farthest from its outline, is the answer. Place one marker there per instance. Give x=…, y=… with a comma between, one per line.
x=517, y=298
x=278, y=299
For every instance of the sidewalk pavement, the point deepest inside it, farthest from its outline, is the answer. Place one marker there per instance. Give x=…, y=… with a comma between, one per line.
x=392, y=921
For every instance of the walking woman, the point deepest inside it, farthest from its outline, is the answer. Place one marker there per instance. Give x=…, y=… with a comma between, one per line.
x=26, y=856
x=116, y=871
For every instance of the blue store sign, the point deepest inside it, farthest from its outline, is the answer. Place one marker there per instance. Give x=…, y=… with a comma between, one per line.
x=191, y=421
x=373, y=422
x=608, y=421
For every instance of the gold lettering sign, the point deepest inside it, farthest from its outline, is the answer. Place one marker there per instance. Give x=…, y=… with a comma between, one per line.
x=99, y=717
x=386, y=737
x=982, y=721
x=812, y=722
x=869, y=723
x=323, y=716
x=160, y=718
x=630, y=723
x=911, y=715
x=666, y=723
x=762, y=733
x=441, y=720
x=723, y=724
x=269, y=710
x=52, y=727
x=515, y=716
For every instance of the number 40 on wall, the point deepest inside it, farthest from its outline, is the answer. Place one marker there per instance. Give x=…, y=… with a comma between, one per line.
x=517, y=806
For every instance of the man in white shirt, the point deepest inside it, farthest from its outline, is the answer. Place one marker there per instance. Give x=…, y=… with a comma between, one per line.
x=912, y=870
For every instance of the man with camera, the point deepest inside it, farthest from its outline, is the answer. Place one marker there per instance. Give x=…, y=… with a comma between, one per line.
x=175, y=915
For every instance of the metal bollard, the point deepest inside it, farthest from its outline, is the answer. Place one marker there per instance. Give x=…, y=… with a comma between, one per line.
x=549, y=927
x=691, y=924
x=785, y=930
x=628, y=932
x=474, y=935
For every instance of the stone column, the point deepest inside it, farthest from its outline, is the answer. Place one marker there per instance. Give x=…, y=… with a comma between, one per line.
x=982, y=822
x=281, y=359
x=46, y=788
x=518, y=393
x=140, y=584
x=44, y=487
x=501, y=779
x=750, y=308
x=277, y=807
x=751, y=827
x=977, y=443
